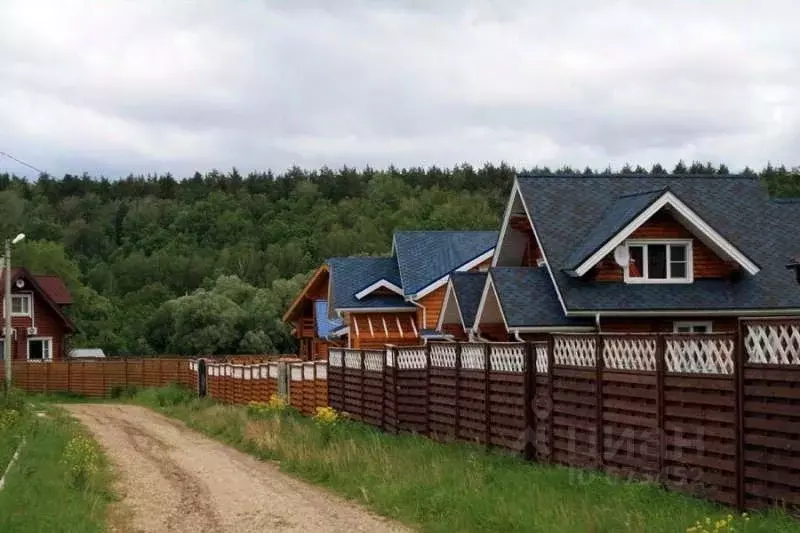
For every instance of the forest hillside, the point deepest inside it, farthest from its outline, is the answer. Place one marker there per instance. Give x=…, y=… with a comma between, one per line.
x=207, y=264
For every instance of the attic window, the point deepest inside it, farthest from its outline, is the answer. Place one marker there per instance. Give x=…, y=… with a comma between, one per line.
x=659, y=262
x=20, y=305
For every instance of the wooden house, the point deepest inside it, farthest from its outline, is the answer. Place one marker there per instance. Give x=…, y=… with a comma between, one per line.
x=38, y=320
x=633, y=254
x=375, y=301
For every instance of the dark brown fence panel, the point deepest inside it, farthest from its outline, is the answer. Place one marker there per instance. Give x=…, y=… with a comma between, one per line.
x=574, y=416
x=630, y=423
x=442, y=402
x=472, y=412
x=700, y=435
x=772, y=435
x=507, y=410
x=411, y=400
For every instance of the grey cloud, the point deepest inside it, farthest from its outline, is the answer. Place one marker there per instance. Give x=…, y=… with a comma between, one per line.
x=116, y=88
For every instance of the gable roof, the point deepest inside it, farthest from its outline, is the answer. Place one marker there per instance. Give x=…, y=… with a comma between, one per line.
x=349, y=275
x=468, y=287
x=425, y=258
x=295, y=306
x=50, y=288
x=527, y=299
x=621, y=211
x=565, y=211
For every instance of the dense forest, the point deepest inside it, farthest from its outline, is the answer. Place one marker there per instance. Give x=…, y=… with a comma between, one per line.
x=207, y=264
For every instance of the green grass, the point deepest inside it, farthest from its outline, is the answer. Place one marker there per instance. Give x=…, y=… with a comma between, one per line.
x=448, y=487
x=42, y=493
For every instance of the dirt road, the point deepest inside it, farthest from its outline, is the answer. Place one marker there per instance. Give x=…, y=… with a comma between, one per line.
x=173, y=479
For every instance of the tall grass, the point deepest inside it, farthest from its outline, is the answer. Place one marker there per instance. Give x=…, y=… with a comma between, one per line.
x=60, y=481
x=451, y=487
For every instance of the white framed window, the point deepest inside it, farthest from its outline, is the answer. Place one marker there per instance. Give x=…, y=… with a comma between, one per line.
x=692, y=327
x=21, y=305
x=40, y=349
x=662, y=261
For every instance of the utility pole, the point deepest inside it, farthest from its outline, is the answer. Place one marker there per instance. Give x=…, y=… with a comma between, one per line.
x=7, y=315
x=7, y=309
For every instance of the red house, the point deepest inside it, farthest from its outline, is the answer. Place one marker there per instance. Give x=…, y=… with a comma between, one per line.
x=39, y=324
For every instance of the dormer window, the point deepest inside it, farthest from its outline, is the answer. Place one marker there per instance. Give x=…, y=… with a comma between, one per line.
x=668, y=261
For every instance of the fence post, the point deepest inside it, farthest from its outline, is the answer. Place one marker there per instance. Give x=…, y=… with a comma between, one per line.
x=487, y=370
x=458, y=391
x=47, y=378
x=125, y=370
x=529, y=451
x=662, y=435
x=428, y=390
x=344, y=377
x=551, y=359
x=69, y=367
x=361, y=403
x=395, y=401
x=383, y=391
x=598, y=361
x=739, y=359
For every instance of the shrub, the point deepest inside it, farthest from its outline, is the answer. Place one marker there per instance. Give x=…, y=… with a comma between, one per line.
x=123, y=391
x=275, y=406
x=326, y=416
x=8, y=419
x=82, y=460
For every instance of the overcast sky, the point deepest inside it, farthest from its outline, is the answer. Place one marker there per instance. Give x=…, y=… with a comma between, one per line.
x=118, y=87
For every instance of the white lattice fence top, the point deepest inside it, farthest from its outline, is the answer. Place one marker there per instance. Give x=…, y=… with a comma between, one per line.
x=573, y=350
x=322, y=370
x=411, y=358
x=308, y=371
x=335, y=357
x=273, y=371
x=352, y=359
x=193, y=366
x=238, y=372
x=247, y=373
x=507, y=357
x=263, y=371
x=540, y=349
x=443, y=355
x=296, y=371
x=773, y=344
x=632, y=352
x=373, y=360
x=699, y=354
x=388, y=357
x=472, y=356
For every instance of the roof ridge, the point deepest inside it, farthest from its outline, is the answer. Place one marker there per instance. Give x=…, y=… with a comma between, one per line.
x=643, y=176
x=642, y=193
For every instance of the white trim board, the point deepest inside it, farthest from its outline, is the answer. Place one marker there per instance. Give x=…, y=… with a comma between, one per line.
x=687, y=215
x=479, y=313
x=381, y=283
x=450, y=292
x=376, y=310
x=553, y=329
x=466, y=267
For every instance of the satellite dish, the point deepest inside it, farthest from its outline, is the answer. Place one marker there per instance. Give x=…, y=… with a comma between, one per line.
x=20, y=283
x=621, y=256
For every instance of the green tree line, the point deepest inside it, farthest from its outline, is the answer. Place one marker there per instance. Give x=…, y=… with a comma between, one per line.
x=207, y=264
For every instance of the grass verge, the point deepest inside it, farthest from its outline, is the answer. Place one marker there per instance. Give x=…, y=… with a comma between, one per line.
x=449, y=487
x=59, y=483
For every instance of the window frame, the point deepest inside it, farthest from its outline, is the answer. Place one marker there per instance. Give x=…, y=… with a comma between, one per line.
x=692, y=324
x=49, y=341
x=644, y=243
x=27, y=296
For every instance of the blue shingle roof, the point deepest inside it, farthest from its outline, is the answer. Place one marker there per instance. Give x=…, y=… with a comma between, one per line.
x=566, y=209
x=528, y=300
x=468, y=287
x=426, y=256
x=325, y=325
x=621, y=211
x=351, y=274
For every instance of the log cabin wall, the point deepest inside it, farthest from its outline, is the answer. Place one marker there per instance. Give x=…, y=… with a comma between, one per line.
x=707, y=265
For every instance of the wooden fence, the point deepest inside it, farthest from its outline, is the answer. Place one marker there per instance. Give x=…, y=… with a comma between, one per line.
x=97, y=378
x=305, y=384
x=714, y=415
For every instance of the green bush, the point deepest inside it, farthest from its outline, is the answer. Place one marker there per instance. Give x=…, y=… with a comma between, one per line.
x=82, y=460
x=168, y=396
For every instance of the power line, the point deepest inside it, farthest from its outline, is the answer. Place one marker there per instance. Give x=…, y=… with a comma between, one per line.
x=21, y=162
